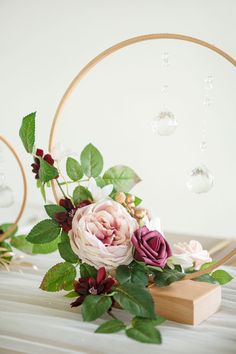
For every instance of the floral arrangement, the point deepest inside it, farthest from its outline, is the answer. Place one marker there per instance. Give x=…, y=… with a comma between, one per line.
x=102, y=232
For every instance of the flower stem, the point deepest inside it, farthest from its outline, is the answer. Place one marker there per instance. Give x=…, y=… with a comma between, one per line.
x=59, y=185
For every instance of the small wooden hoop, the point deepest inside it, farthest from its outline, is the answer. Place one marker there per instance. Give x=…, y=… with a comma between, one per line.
x=84, y=71
x=23, y=203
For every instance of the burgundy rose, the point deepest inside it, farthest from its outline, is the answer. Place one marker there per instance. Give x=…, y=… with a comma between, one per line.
x=36, y=165
x=150, y=247
x=91, y=286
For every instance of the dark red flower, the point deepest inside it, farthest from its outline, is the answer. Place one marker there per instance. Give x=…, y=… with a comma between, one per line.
x=36, y=165
x=64, y=218
x=91, y=286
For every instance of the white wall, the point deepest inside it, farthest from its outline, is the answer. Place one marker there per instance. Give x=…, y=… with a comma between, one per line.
x=45, y=43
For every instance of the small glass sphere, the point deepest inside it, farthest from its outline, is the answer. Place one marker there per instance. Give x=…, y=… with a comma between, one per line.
x=200, y=180
x=164, y=124
x=203, y=146
x=6, y=197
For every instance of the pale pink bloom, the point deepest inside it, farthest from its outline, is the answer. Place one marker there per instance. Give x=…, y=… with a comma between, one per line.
x=101, y=234
x=194, y=250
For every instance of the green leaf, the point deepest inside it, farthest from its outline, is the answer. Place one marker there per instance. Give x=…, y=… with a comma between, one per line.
x=207, y=265
x=136, y=300
x=73, y=169
x=81, y=193
x=145, y=333
x=137, y=201
x=206, y=278
x=132, y=274
x=122, y=177
x=156, y=322
x=6, y=226
x=44, y=232
x=123, y=274
x=87, y=271
x=167, y=277
x=46, y=248
x=52, y=209
x=61, y=276
x=72, y=294
x=66, y=252
x=47, y=172
x=27, y=132
x=22, y=244
x=100, y=181
x=91, y=161
x=111, y=326
x=221, y=276
x=8, y=248
x=95, y=306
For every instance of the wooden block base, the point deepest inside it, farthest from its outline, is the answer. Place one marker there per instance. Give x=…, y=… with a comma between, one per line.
x=187, y=301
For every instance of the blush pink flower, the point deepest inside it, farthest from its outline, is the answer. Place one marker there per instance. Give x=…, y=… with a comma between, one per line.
x=194, y=250
x=101, y=234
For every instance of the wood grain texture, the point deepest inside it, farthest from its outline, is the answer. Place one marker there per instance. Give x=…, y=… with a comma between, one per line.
x=188, y=301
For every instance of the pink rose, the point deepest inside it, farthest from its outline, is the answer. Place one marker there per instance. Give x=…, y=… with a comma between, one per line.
x=194, y=250
x=101, y=234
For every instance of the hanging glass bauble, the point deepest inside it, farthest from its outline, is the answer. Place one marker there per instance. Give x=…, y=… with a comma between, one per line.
x=6, y=197
x=200, y=180
x=165, y=123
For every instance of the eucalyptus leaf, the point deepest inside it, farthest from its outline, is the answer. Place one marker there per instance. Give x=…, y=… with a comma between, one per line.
x=27, y=132
x=91, y=161
x=95, y=306
x=61, y=276
x=74, y=169
x=44, y=232
x=122, y=177
x=111, y=326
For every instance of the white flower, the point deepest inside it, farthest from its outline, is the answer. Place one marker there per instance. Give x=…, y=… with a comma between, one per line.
x=97, y=192
x=59, y=152
x=183, y=260
x=153, y=224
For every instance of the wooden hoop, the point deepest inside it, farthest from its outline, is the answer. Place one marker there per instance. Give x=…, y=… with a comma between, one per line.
x=84, y=71
x=23, y=203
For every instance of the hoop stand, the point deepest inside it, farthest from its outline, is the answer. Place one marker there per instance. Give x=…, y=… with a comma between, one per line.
x=186, y=301
x=24, y=197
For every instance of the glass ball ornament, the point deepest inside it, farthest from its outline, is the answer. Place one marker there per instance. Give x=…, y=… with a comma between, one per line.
x=165, y=123
x=6, y=197
x=200, y=180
